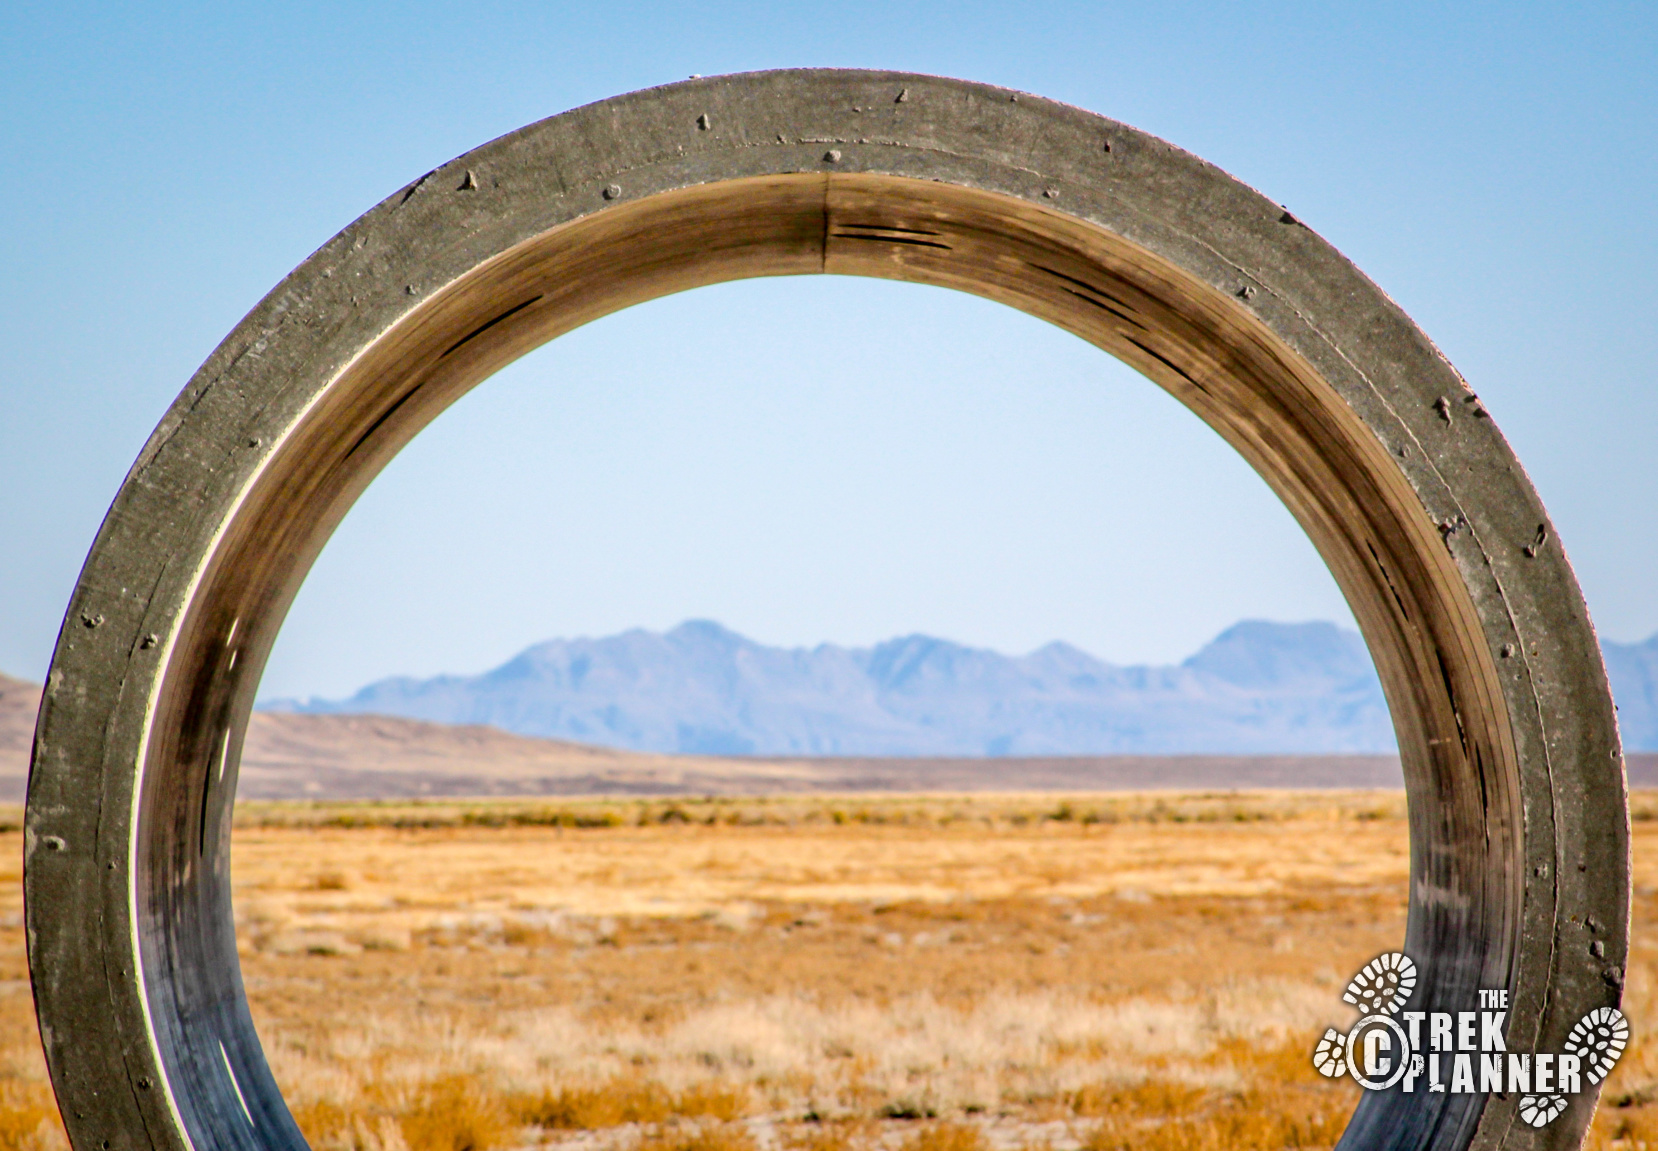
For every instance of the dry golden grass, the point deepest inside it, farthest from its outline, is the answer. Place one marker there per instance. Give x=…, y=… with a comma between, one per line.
x=28, y=1114
x=984, y=973
x=858, y=973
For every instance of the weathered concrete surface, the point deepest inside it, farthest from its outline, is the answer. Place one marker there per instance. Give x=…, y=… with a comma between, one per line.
x=1518, y=808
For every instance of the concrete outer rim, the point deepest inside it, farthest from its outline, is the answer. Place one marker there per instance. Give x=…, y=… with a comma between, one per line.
x=119, y=633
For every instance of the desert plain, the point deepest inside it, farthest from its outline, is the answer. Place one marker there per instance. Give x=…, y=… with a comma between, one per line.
x=975, y=972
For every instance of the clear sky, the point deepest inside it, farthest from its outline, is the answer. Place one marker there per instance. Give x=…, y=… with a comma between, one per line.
x=817, y=459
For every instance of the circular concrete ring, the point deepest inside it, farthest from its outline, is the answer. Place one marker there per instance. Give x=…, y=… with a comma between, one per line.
x=1518, y=811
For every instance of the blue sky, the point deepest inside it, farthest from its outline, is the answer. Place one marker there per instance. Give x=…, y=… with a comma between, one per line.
x=817, y=459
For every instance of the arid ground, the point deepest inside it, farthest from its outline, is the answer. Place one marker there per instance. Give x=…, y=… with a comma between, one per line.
x=816, y=973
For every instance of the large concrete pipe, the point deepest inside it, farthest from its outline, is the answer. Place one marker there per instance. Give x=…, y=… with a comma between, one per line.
x=1518, y=812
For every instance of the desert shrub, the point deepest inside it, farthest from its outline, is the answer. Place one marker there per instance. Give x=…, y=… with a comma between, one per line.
x=29, y=1120
x=713, y=1100
x=946, y=1137
x=1622, y=1126
x=604, y=1105
x=1178, y=1120
x=624, y=1100
x=453, y=1114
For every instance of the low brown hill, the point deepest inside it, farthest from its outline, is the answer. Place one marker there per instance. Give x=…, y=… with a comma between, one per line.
x=19, y=701
x=377, y=756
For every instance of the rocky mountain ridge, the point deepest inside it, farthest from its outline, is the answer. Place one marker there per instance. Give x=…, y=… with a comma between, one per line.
x=700, y=688
x=1259, y=688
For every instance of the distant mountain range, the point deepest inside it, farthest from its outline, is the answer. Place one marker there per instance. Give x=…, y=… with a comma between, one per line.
x=702, y=689
x=350, y=757
x=1257, y=686
x=705, y=690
